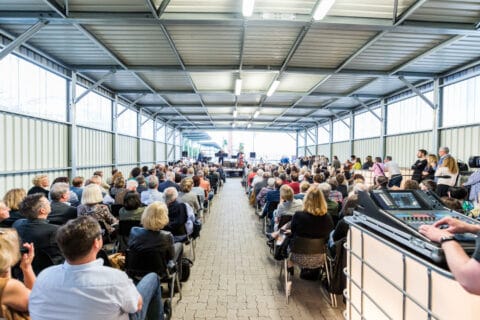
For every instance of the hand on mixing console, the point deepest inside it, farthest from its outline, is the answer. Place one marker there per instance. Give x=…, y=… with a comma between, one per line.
x=455, y=225
x=433, y=233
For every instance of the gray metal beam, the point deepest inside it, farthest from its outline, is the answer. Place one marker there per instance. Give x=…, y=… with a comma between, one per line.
x=418, y=92
x=24, y=37
x=95, y=85
x=163, y=7
x=152, y=8
x=368, y=108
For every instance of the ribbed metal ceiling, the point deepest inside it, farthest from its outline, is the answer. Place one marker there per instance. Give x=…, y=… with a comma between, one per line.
x=186, y=55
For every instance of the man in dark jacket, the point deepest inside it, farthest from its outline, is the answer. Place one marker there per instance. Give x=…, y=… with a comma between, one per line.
x=419, y=165
x=35, y=228
x=61, y=212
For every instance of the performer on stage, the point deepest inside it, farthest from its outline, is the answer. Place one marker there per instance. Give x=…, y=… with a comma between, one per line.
x=221, y=155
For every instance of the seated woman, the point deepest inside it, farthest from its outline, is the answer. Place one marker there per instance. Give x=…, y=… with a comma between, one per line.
x=287, y=206
x=40, y=185
x=152, y=237
x=12, y=200
x=14, y=294
x=312, y=222
x=92, y=206
x=132, y=207
x=186, y=194
x=197, y=190
x=447, y=175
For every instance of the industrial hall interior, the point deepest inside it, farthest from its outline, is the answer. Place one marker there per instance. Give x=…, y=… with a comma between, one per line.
x=239, y=159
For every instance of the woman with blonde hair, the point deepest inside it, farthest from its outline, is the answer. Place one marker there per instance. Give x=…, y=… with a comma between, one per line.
x=447, y=175
x=92, y=205
x=186, y=195
x=13, y=293
x=152, y=237
x=40, y=185
x=12, y=200
x=429, y=171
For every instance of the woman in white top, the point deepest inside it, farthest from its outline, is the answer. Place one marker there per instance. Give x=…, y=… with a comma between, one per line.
x=447, y=175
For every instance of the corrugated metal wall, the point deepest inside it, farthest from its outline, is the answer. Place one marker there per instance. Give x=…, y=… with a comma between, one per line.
x=403, y=148
x=310, y=150
x=463, y=142
x=367, y=147
x=88, y=172
x=94, y=147
x=301, y=151
x=24, y=181
x=127, y=149
x=161, y=151
x=341, y=150
x=324, y=149
x=148, y=150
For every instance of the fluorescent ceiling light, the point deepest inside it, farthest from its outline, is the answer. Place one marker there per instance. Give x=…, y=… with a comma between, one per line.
x=247, y=8
x=256, y=114
x=273, y=87
x=238, y=87
x=322, y=9
x=235, y=112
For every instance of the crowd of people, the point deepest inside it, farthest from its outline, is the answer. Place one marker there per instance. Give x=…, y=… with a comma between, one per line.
x=72, y=225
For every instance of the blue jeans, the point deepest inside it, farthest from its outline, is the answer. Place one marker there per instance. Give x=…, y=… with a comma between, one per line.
x=151, y=292
x=395, y=181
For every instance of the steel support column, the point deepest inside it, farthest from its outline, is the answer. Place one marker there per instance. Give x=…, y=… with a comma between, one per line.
x=139, y=137
x=115, y=130
x=352, y=132
x=72, y=118
x=383, y=133
x=437, y=113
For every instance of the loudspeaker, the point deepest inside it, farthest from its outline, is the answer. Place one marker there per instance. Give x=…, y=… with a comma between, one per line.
x=253, y=155
x=184, y=154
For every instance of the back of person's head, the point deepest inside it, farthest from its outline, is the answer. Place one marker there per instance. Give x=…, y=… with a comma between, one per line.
x=368, y=159
x=382, y=181
x=271, y=182
x=378, y=159
x=77, y=181
x=266, y=175
x=152, y=182
x=452, y=203
x=428, y=185
x=294, y=177
x=283, y=176
x=260, y=172
x=14, y=197
x=170, y=194
x=196, y=181
x=358, y=177
x=458, y=193
x=75, y=239
x=389, y=158
x=451, y=164
x=155, y=216
x=9, y=249
x=132, y=184
x=98, y=173
x=432, y=159
x=140, y=180
x=445, y=149
x=286, y=193
x=178, y=177
x=96, y=180
x=186, y=185
x=325, y=188
x=340, y=179
x=255, y=169
x=318, y=178
x=200, y=173
x=314, y=202
x=423, y=151
x=131, y=201
x=135, y=172
x=333, y=183
x=119, y=182
x=190, y=171
x=145, y=169
x=61, y=179
x=58, y=190
x=304, y=186
x=411, y=185
x=358, y=187
x=278, y=183
x=92, y=194
x=31, y=205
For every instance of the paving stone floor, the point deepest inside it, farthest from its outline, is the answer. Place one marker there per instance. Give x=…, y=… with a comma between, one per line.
x=234, y=275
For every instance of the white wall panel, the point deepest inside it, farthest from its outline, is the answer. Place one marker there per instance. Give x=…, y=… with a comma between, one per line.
x=125, y=169
x=170, y=152
x=341, y=150
x=161, y=156
x=367, y=147
x=147, y=151
x=127, y=149
x=324, y=150
x=24, y=181
x=94, y=147
x=463, y=142
x=403, y=148
x=29, y=144
x=310, y=150
x=301, y=151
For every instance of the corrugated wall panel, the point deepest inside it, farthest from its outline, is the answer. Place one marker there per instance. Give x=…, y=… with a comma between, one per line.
x=94, y=147
x=310, y=150
x=127, y=149
x=341, y=150
x=24, y=181
x=324, y=150
x=463, y=142
x=301, y=151
x=30, y=144
x=403, y=148
x=367, y=147
x=125, y=169
x=148, y=150
x=161, y=156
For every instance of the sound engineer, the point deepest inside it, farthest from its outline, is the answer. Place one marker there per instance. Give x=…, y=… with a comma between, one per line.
x=466, y=270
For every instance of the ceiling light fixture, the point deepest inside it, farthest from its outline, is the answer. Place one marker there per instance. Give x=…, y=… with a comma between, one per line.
x=247, y=8
x=235, y=113
x=256, y=114
x=273, y=87
x=238, y=87
x=322, y=9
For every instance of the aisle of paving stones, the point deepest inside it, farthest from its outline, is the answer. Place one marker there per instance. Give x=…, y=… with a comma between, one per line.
x=234, y=275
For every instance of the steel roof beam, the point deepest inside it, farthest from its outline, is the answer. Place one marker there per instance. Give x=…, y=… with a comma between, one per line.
x=94, y=86
x=21, y=39
x=418, y=92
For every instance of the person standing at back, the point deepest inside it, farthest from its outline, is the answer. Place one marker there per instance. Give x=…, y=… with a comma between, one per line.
x=394, y=170
x=419, y=165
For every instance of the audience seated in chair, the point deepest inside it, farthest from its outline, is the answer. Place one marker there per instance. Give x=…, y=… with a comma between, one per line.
x=12, y=200
x=152, y=194
x=287, y=206
x=132, y=208
x=94, y=292
x=187, y=196
x=180, y=215
x=61, y=211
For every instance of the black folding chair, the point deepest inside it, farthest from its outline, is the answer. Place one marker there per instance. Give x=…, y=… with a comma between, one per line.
x=115, y=209
x=124, y=228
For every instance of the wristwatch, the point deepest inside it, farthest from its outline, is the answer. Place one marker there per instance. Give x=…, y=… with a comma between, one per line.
x=447, y=238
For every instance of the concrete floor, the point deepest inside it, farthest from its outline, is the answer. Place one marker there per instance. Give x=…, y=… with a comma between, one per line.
x=235, y=276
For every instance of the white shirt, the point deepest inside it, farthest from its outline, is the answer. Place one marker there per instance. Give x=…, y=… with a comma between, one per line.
x=392, y=167
x=151, y=195
x=78, y=292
